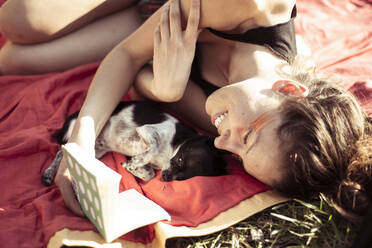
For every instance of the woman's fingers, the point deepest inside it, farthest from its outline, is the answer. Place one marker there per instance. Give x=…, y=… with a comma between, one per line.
x=175, y=18
x=174, y=52
x=164, y=23
x=193, y=21
x=69, y=197
x=170, y=21
x=63, y=182
x=157, y=38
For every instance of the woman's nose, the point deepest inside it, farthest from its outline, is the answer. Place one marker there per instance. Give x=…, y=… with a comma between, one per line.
x=227, y=141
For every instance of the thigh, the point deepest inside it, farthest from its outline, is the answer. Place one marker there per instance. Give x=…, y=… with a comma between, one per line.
x=87, y=44
x=33, y=21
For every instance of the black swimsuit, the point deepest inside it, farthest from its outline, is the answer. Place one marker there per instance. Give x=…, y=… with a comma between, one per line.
x=280, y=39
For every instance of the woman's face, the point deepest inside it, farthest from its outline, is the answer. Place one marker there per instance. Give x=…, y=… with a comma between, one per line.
x=246, y=117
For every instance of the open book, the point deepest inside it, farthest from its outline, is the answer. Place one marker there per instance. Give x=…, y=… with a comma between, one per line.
x=97, y=189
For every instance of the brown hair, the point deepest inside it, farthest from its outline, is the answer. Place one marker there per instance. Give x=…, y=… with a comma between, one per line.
x=327, y=147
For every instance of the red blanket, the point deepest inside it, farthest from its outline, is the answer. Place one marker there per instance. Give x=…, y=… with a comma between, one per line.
x=33, y=107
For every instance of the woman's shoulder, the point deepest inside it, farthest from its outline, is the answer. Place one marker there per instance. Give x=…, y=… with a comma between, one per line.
x=272, y=12
x=242, y=14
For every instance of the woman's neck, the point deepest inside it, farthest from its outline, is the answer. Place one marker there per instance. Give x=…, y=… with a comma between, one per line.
x=254, y=61
x=226, y=62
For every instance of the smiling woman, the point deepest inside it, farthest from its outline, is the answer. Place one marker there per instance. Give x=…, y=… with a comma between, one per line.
x=295, y=132
x=247, y=125
x=170, y=36
x=247, y=117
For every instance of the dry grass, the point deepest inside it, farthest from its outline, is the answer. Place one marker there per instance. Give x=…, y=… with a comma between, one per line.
x=292, y=224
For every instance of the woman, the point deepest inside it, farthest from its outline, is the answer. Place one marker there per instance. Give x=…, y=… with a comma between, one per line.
x=294, y=132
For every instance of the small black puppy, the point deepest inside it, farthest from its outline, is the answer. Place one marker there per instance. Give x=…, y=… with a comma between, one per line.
x=154, y=140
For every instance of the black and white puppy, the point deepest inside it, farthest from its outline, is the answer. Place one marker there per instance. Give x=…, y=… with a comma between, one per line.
x=152, y=139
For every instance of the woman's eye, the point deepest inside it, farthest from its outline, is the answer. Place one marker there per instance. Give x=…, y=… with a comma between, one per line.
x=246, y=136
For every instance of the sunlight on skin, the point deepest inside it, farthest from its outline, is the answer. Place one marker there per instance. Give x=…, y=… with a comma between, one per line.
x=261, y=122
x=85, y=133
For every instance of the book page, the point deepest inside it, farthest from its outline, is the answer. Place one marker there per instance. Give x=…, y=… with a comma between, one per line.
x=97, y=187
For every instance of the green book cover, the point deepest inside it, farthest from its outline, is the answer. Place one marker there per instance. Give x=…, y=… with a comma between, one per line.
x=97, y=189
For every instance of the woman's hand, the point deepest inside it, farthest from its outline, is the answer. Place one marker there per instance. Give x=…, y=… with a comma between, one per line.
x=174, y=51
x=83, y=134
x=63, y=181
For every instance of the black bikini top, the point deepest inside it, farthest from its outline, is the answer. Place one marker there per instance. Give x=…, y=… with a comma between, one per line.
x=280, y=38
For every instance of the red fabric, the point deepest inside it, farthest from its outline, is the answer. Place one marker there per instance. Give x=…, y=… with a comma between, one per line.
x=195, y=200
x=33, y=107
x=339, y=33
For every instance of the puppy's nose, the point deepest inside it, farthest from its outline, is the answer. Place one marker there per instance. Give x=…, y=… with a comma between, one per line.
x=165, y=176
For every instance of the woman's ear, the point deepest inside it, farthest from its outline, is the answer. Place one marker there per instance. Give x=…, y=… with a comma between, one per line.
x=290, y=88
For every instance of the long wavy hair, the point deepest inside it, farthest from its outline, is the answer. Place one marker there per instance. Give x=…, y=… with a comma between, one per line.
x=327, y=144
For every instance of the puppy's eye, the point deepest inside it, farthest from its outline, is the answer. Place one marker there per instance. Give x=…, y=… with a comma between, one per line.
x=180, y=163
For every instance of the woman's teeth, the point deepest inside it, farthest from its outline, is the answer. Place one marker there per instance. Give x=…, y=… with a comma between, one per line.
x=219, y=119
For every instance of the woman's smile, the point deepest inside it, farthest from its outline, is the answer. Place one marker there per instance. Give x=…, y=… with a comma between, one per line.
x=245, y=117
x=217, y=120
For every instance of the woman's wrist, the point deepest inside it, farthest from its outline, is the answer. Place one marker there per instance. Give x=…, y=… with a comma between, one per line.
x=84, y=134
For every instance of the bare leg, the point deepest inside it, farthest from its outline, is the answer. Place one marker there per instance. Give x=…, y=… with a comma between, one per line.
x=34, y=21
x=87, y=44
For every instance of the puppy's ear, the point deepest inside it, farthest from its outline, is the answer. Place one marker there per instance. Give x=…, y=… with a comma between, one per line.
x=209, y=141
x=223, y=152
x=220, y=167
x=220, y=151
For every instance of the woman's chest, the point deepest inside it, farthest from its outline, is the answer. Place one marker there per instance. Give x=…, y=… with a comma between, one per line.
x=222, y=62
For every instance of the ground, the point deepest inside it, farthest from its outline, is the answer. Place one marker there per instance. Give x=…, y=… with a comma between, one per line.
x=291, y=224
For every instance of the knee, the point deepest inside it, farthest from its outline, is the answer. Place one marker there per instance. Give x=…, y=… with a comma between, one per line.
x=17, y=27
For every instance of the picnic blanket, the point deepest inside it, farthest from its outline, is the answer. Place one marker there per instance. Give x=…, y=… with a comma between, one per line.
x=339, y=37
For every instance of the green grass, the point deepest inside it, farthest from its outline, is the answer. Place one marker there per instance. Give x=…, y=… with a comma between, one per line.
x=292, y=224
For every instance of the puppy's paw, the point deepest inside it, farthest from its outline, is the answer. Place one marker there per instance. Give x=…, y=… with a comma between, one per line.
x=48, y=177
x=145, y=173
x=127, y=165
x=49, y=174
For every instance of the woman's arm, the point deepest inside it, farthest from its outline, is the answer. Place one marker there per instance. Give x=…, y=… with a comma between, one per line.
x=111, y=81
x=176, y=35
x=174, y=51
x=117, y=71
x=174, y=44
